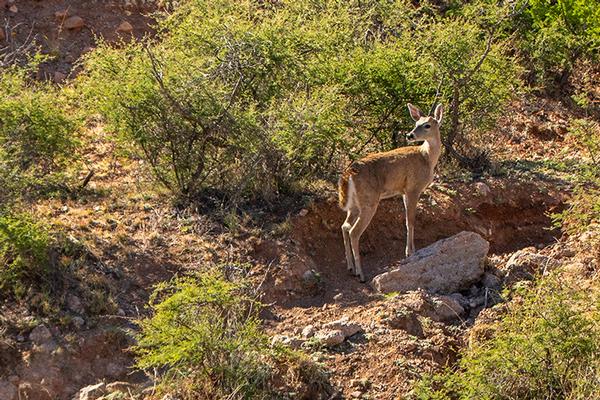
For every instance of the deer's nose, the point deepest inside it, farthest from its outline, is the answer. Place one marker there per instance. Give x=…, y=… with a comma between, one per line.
x=410, y=136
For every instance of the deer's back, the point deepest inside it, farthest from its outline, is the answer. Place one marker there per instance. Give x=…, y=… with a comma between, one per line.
x=387, y=174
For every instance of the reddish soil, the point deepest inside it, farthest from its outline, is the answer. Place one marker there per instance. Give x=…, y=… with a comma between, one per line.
x=38, y=20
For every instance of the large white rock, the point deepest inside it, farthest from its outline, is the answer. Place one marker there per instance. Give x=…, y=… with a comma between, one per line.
x=446, y=266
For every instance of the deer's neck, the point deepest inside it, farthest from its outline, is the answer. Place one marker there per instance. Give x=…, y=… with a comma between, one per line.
x=432, y=149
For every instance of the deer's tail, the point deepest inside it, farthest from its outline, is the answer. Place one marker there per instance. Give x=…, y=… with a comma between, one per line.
x=345, y=189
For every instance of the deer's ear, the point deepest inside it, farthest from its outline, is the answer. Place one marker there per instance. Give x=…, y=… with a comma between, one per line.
x=439, y=113
x=415, y=113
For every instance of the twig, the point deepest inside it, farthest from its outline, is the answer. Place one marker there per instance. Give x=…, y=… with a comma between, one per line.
x=87, y=179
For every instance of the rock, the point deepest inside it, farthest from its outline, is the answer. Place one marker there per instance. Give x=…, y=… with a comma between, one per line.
x=491, y=281
x=348, y=328
x=74, y=304
x=446, y=308
x=438, y=308
x=13, y=9
x=303, y=212
x=59, y=77
x=60, y=15
x=446, y=266
x=330, y=338
x=338, y=297
x=308, y=331
x=311, y=280
x=292, y=342
x=40, y=335
x=524, y=264
x=356, y=394
x=78, y=322
x=125, y=27
x=8, y=391
x=482, y=189
x=74, y=22
x=119, y=387
x=406, y=320
x=92, y=392
x=33, y=391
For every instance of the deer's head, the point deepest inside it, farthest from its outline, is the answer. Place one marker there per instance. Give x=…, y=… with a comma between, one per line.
x=426, y=127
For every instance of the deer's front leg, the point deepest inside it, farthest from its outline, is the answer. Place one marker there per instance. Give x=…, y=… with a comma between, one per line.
x=348, y=223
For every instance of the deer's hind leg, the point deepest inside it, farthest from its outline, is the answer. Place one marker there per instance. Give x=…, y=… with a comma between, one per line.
x=365, y=216
x=348, y=223
x=410, y=204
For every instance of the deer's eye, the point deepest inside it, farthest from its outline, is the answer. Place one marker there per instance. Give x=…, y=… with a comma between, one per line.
x=427, y=126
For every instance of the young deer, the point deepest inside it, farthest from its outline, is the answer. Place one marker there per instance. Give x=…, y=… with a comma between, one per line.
x=405, y=170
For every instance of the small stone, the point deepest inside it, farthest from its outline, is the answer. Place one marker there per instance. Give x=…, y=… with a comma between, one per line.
x=356, y=394
x=125, y=27
x=491, y=281
x=482, y=189
x=64, y=209
x=74, y=303
x=61, y=14
x=13, y=9
x=40, y=334
x=119, y=387
x=308, y=331
x=59, y=77
x=74, y=22
x=91, y=392
x=303, y=212
x=78, y=322
x=348, y=328
x=330, y=338
x=338, y=297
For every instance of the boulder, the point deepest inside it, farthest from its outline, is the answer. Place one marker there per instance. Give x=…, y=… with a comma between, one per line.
x=446, y=266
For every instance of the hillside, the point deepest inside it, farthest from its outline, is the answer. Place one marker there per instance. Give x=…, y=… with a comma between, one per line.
x=170, y=227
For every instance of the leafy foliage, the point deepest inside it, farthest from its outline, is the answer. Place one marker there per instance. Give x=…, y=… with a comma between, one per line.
x=24, y=258
x=37, y=134
x=558, y=33
x=250, y=101
x=205, y=333
x=546, y=346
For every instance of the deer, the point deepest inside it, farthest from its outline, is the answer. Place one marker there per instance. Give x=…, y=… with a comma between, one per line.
x=405, y=170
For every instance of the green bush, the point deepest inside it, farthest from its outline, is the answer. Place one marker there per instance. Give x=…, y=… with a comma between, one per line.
x=557, y=33
x=205, y=336
x=250, y=101
x=24, y=254
x=547, y=346
x=37, y=134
